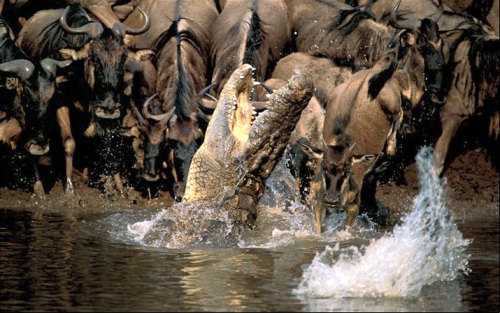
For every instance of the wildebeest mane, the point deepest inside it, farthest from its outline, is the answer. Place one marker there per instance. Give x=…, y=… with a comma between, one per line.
x=228, y=49
x=341, y=21
x=483, y=54
x=347, y=37
x=255, y=38
x=183, y=84
x=484, y=57
x=357, y=16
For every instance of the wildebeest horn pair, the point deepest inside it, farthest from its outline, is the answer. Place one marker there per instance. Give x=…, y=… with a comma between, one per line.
x=95, y=29
x=21, y=68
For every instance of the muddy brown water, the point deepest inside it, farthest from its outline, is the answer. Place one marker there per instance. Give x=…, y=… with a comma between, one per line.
x=56, y=260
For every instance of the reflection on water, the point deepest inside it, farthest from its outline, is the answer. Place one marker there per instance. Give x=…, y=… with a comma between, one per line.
x=50, y=262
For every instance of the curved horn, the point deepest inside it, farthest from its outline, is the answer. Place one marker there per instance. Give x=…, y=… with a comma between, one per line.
x=159, y=117
x=21, y=68
x=143, y=29
x=94, y=29
x=50, y=66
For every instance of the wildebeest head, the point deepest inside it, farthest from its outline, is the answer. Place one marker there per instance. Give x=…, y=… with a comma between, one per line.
x=336, y=163
x=14, y=66
x=105, y=60
x=32, y=88
x=39, y=93
x=420, y=53
x=104, y=73
x=155, y=124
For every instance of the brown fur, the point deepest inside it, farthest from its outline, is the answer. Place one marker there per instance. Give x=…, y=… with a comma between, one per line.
x=231, y=37
x=323, y=72
x=359, y=131
x=317, y=34
x=474, y=91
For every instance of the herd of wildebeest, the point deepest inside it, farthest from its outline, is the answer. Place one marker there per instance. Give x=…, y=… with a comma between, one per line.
x=126, y=89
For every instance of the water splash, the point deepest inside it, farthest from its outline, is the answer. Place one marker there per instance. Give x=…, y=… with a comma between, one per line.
x=426, y=248
x=282, y=218
x=187, y=225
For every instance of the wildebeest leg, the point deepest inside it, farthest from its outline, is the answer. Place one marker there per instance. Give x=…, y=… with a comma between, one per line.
x=119, y=184
x=38, y=186
x=349, y=200
x=369, y=189
x=316, y=196
x=138, y=152
x=391, y=142
x=68, y=143
x=450, y=128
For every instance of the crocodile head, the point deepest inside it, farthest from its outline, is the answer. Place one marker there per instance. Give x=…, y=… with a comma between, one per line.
x=244, y=141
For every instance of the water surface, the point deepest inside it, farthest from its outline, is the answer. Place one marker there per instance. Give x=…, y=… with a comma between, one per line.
x=54, y=262
x=51, y=263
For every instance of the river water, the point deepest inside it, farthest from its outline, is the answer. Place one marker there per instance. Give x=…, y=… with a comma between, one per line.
x=52, y=262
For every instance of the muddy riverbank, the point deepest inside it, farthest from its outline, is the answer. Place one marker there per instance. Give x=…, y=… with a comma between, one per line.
x=472, y=189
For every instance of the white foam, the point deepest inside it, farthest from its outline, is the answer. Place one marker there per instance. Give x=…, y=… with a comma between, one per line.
x=427, y=247
x=139, y=229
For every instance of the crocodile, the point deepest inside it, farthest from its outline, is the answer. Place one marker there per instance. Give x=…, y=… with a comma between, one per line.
x=243, y=142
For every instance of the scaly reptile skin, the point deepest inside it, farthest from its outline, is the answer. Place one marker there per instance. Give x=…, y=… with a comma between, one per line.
x=239, y=152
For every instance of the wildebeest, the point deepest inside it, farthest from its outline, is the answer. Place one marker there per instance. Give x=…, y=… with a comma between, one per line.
x=181, y=42
x=409, y=13
x=369, y=116
x=328, y=28
x=26, y=93
x=467, y=43
x=248, y=31
x=95, y=88
x=474, y=67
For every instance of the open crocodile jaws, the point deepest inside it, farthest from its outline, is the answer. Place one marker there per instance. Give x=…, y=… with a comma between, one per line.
x=242, y=146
